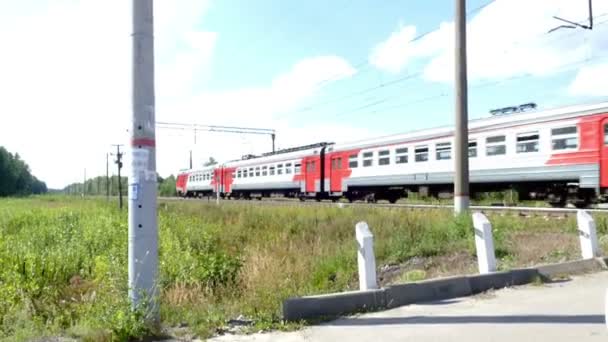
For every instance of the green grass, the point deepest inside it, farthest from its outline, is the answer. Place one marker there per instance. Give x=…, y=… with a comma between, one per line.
x=63, y=261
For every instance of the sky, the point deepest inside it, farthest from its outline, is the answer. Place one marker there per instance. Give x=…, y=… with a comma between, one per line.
x=313, y=70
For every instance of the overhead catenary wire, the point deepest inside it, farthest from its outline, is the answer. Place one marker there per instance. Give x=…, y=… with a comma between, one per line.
x=410, y=76
x=375, y=102
x=366, y=64
x=562, y=69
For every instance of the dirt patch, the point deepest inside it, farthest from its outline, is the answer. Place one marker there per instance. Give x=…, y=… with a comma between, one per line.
x=532, y=248
x=525, y=249
x=457, y=263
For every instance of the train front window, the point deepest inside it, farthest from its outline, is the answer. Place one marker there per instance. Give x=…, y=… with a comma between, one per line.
x=606, y=134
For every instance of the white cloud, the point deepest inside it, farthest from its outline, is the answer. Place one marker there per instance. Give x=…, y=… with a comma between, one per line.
x=394, y=53
x=254, y=107
x=505, y=39
x=591, y=81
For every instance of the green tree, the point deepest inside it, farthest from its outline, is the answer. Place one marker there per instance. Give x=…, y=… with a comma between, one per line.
x=15, y=176
x=166, y=188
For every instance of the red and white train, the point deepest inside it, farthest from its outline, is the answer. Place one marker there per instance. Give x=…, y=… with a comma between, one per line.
x=560, y=155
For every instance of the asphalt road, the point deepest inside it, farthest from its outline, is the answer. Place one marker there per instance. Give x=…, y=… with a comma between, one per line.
x=571, y=310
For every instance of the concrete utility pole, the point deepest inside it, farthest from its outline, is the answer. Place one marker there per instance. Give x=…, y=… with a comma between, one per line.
x=461, y=133
x=107, y=176
x=143, y=225
x=118, y=162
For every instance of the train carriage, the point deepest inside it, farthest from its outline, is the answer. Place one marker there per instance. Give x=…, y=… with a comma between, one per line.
x=559, y=155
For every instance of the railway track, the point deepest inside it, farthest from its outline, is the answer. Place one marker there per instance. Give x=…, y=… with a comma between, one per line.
x=294, y=202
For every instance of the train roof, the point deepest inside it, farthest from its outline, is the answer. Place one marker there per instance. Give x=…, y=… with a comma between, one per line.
x=493, y=122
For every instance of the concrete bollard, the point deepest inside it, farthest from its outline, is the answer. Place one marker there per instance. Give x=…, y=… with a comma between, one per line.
x=484, y=243
x=365, y=257
x=587, y=235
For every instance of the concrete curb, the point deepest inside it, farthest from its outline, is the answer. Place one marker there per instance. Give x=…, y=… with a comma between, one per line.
x=336, y=304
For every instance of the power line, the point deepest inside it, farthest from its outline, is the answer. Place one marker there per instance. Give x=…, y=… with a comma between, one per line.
x=405, y=78
x=365, y=64
x=563, y=68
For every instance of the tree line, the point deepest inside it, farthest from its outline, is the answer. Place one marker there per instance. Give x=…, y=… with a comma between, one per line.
x=99, y=186
x=16, y=178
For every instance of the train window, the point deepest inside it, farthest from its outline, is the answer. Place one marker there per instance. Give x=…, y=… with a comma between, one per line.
x=279, y=169
x=250, y=172
x=472, y=148
x=606, y=134
x=271, y=170
x=353, y=161
x=527, y=142
x=287, y=168
x=264, y=170
x=564, y=138
x=383, y=157
x=310, y=166
x=368, y=159
x=422, y=153
x=401, y=155
x=496, y=145
x=443, y=151
x=297, y=167
x=257, y=171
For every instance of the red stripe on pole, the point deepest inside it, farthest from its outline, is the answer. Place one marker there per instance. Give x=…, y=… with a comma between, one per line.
x=143, y=142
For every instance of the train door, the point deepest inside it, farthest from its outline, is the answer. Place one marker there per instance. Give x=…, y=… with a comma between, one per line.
x=227, y=178
x=310, y=174
x=604, y=154
x=335, y=174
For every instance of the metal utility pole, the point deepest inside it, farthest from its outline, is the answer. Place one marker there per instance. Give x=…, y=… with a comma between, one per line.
x=143, y=225
x=118, y=162
x=107, y=176
x=572, y=25
x=461, y=133
x=190, y=159
x=84, y=183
